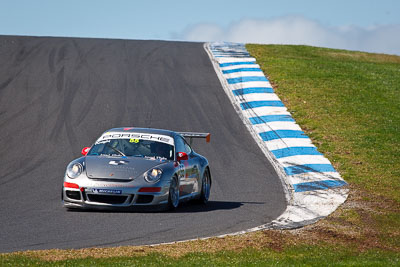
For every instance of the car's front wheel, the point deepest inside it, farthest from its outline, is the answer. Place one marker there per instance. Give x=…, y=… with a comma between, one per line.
x=173, y=196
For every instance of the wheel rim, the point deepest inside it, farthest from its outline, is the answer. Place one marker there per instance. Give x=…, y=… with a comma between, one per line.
x=206, y=186
x=174, y=193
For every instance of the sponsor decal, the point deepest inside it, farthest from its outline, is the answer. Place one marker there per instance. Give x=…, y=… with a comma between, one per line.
x=118, y=162
x=135, y=137
x=106, y=191
x=103, y=141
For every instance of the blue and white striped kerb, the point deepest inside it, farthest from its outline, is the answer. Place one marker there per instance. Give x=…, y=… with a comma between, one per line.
x=305, y=167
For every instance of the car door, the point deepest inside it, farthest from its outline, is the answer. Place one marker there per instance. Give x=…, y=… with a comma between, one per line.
x=193, y=170
x=189, y=168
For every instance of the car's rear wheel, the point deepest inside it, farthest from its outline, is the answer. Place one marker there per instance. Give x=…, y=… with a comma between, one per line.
x=205, y=188
x=173, y=196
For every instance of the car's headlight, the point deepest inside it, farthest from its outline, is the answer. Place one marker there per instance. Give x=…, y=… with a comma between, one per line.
x=74, y=170
x=153, y=175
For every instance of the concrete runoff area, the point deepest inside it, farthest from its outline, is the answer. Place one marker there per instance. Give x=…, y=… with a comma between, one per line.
x=57, y=95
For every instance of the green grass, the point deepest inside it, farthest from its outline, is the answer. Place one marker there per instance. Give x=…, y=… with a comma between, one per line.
x=349, y=105
x=297, y=256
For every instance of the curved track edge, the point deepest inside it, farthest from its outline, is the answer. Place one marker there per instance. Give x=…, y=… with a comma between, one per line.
x=313, y=188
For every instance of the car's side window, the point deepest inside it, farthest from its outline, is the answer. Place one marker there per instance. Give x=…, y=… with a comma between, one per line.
x=182, y=146
x=179, y=144
x=188, y=149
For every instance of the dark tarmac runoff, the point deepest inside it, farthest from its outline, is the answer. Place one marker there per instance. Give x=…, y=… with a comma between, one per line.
x=57, y=95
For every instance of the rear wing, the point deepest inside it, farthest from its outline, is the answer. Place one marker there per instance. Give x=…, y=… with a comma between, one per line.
x=192, y=135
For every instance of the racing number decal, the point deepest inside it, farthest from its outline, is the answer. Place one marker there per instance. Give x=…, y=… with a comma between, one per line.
x=181, y=171
x=134, y=140
x=181, y=177
x=186, y=166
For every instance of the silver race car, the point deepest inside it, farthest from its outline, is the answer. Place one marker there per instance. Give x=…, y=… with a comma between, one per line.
x=132, y=167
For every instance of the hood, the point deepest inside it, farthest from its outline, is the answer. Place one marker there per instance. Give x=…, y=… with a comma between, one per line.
x=118, y=167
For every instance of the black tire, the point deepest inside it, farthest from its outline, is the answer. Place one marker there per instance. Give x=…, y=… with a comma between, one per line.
x=205, y=188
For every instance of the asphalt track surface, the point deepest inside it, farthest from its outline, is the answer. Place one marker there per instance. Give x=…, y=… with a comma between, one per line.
x=58, y=95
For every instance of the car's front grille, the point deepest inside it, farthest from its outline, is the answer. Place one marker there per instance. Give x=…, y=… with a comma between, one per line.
x=111, y=180
x=107, y=199
x=144, y=199
x=73, y=194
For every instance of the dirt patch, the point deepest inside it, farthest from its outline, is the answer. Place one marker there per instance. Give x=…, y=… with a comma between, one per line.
x=353, y=224
x=368, y=57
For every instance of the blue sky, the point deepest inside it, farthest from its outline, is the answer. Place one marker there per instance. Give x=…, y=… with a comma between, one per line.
x=353, y=24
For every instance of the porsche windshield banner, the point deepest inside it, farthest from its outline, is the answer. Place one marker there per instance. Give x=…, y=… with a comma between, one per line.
x=136, y=136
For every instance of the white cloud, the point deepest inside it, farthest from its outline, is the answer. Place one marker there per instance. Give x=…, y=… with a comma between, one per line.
x=300, y=30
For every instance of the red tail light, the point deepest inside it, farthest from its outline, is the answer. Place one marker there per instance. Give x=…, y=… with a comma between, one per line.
x=182, y=156
x=150, y=189
x=71, y=185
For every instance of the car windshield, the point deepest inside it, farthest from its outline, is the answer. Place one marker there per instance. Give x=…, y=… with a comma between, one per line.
x=133, y=148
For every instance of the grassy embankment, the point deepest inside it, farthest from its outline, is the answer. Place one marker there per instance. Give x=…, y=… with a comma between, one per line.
x=349, y=104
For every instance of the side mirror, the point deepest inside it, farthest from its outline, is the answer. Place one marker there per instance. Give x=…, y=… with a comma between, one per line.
x=182, y=156
x=85, y=150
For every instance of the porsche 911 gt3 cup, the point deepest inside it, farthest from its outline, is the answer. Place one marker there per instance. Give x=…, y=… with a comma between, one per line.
x=132, y=167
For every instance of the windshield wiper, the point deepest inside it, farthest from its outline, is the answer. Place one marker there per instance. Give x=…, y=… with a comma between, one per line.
x=116, y=150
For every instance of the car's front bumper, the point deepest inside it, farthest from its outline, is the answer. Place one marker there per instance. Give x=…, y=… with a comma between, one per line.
x=106, y=195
